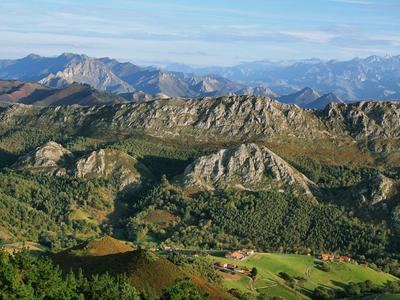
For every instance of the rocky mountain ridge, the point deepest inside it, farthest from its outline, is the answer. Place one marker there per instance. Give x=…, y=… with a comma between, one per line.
x=235, y=117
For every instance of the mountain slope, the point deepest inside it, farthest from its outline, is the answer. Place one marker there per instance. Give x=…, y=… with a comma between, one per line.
x=12, y=92
x=323, y=101
x=145, y=270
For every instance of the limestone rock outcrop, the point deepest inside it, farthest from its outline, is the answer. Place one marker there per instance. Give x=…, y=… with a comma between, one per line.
x=51, y=158
x=113, y=164
x=247, y=166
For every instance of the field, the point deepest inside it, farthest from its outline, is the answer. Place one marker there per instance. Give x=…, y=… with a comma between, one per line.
x=269, y=282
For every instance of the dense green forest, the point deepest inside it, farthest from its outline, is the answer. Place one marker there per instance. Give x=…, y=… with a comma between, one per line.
x=266, y=220
x=56, y=211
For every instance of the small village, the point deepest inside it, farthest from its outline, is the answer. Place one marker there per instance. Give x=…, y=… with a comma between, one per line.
x=243, y=254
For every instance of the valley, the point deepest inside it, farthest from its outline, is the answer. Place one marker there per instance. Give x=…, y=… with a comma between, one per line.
x=290, y=181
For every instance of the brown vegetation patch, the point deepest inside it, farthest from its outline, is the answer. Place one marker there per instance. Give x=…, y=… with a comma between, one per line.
x=160, y=217
x=103, y=246
x=331, y=152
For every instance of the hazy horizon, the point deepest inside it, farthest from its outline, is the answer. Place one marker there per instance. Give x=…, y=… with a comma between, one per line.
x=166, y=64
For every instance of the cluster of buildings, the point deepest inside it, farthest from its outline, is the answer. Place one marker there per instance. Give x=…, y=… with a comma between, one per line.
x=239, y=254
x=225, y=267
x=332, y=258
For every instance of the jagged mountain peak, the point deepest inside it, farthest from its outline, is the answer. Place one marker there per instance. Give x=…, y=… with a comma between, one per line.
x=301, y=98
x=307, y=92
x=89, y=71
x=32, y=56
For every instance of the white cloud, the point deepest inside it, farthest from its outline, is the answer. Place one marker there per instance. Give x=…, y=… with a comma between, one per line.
x=312, y=36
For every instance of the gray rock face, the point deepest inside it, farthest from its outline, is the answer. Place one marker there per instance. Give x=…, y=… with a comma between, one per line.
x=234, y=118
x=375, y=191
x=365, y=119
x=50, y=158
x=88, y=71
x=247, y=166
x=54, y=159
x=113, y=164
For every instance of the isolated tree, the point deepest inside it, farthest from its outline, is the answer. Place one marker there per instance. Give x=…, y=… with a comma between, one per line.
x=254, y=272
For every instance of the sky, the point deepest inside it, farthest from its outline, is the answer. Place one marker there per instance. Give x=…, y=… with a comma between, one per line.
x=202, y=32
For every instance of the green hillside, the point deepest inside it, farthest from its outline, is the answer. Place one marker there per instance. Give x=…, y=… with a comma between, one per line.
x=269, y=282
x=148, y=272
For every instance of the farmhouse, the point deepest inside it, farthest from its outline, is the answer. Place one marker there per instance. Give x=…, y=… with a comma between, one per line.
x=230, y=268
x=344, y=259
x=239, y=254
x=235, y=255
x=327, y=257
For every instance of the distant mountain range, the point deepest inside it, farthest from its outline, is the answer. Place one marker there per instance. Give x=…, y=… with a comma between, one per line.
x=115, y=77
x=87, y=81
x=374, y=77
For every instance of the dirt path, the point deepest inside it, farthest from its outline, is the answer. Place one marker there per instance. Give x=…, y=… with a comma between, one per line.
x=308, y=273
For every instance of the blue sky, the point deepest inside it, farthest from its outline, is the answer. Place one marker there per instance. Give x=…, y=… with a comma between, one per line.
x=218, y=32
